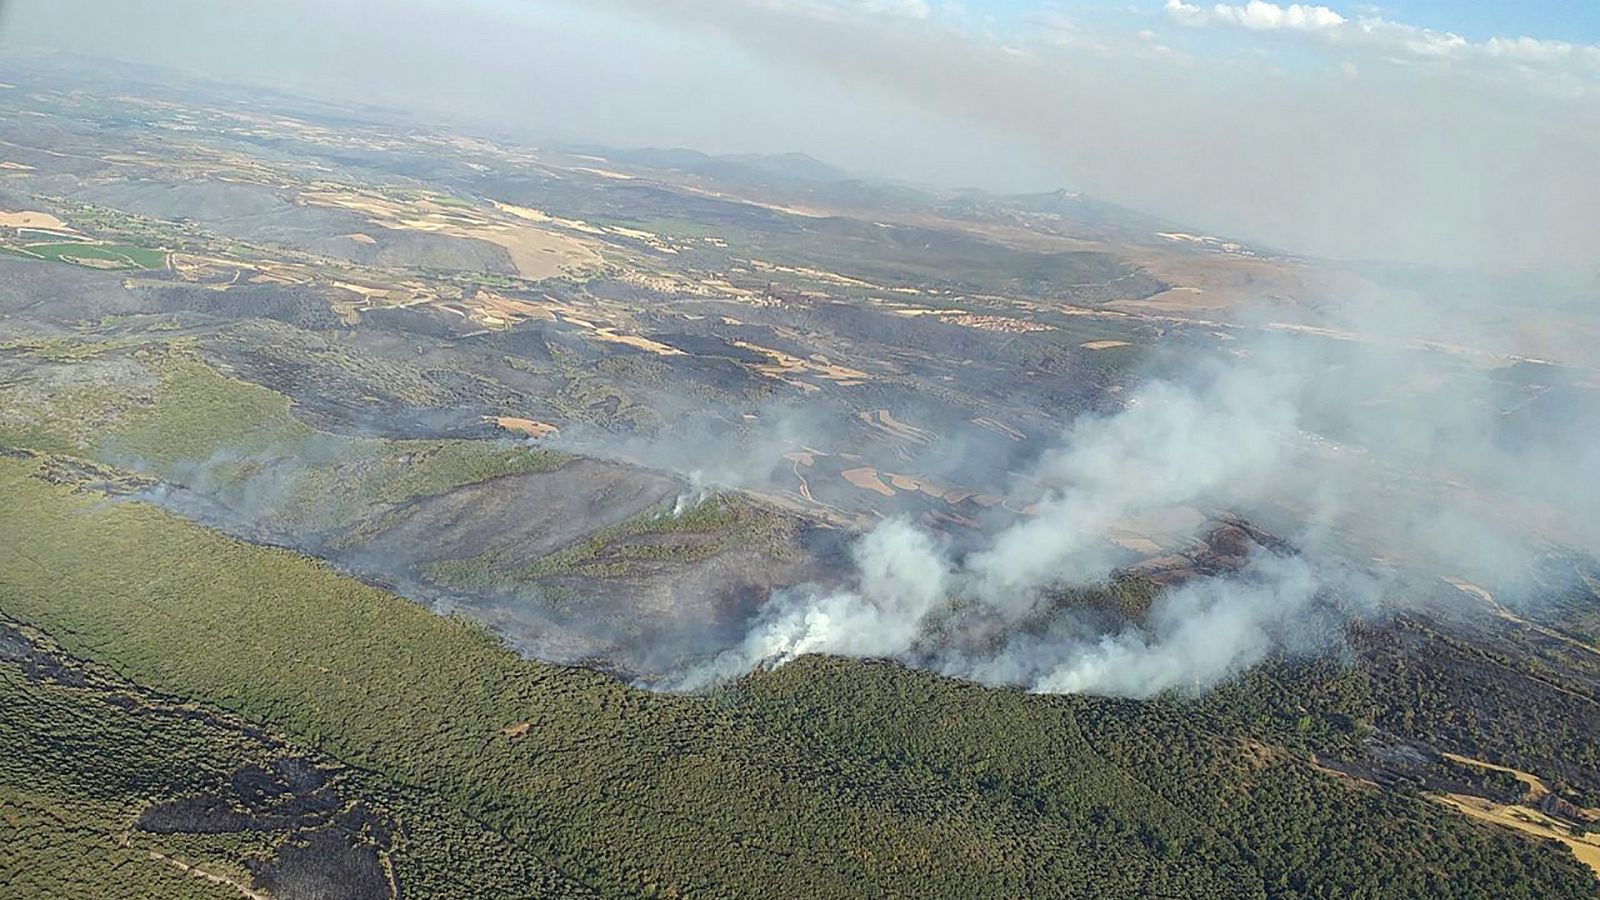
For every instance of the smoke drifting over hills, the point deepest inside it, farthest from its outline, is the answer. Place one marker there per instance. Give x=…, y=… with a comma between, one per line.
x=1401, y=435
x=1340, y=149
x=1172, y=445
x=1453, y=165
x=1385, y=466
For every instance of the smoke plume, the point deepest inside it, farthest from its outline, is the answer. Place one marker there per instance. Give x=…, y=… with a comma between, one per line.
x=1377, y=458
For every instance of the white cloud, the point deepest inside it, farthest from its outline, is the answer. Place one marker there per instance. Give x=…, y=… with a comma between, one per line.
x=1534, y=50
x=1260, y=16
x=915, y=9
x=1371, y=33
x=1386, y=36
x=845, y=9
x=1257, y=16
x=1185, y=13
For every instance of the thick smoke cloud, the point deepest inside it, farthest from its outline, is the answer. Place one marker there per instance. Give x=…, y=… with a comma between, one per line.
x=1443, y=165
x=1385, y=463
x=1172, y=445
x=903, y=577
x=1193, y=638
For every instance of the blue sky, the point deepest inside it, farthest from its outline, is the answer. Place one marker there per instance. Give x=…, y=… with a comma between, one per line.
x=1577, y=21
x=1568, y=20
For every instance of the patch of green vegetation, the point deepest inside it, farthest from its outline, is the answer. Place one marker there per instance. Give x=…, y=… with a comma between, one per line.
x=192, y=413
x=57, y=349
x=476, y=574
x=199, y=413
x=716, y=516
x=484, y=279
x=702, y=531
x=59, y=847
x=1129, y=596
x=239, y=443
x=639, y=368
x=118, y=256
x=423, y=468
x=63, y=417
x=89, y=757
x=141, y=231
x=338, y=483
x=827, y=777
x=147, y=321
x=34, y=435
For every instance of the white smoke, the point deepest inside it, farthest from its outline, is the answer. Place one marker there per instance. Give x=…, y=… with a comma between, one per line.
x=904, y=576
x=692, y=499
x=1197, y=636
x=1193, y=638
x=1171, y=445
x=1424, y=473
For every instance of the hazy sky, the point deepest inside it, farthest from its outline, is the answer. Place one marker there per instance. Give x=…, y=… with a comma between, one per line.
x=1423, y=130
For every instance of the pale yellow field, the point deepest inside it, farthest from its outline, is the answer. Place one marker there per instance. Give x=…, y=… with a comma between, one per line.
x=998, y=324
x=27, y=219
x=1134, y=542
x=634, y=233
x=535, y=215
x=913, y=483
x=784, y=365
x=866, y=478
x=530, y=427
x=536, y=252
x=1528, y=821
x=372, y=292
x=888, y=424
x=642, y=343
x=999, y=428
x=91, y=262
x=1177, y=521
x=603, y=173
x=1103, y=345
x=1521, y=816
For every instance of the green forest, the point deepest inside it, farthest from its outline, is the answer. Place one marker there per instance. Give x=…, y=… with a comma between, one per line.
x=175, y=670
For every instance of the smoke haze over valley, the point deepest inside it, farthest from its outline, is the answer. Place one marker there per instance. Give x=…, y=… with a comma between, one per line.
x=1364, y=138
x=754, y=447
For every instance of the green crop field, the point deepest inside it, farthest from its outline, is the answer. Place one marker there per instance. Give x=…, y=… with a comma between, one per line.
x=115, y=255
